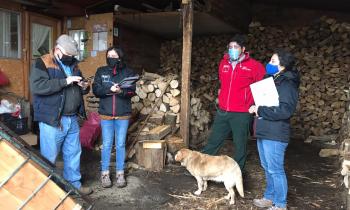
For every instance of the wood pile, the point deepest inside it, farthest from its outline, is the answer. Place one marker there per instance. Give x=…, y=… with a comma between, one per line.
x=322, y=50
x=323, y=54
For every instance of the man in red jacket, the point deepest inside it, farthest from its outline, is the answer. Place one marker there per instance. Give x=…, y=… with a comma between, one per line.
x=236, y=72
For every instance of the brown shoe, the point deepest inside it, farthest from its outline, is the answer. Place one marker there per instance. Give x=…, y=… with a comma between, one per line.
x=262, y=203
x=105, y=180
x=121, y=182
x=85, y=190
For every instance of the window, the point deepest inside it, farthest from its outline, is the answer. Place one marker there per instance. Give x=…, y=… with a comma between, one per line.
x=41, y=40
x=80, y=36
x=10, y=42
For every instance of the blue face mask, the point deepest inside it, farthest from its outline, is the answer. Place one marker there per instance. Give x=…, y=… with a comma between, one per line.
x=271, y=69
x=233, y=53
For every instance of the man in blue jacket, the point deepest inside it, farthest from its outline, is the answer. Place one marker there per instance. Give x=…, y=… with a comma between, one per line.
x=57, y=87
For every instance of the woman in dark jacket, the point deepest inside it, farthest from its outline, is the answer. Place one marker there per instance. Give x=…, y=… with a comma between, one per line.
x=273, y=129
x=115, y=111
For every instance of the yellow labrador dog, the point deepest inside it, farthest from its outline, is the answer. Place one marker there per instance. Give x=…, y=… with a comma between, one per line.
x=216, y=168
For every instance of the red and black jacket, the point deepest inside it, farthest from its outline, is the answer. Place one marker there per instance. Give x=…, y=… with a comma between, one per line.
x=112, y=104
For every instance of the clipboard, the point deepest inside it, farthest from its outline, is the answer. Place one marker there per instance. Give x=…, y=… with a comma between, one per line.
x=128, y=81
x=265, y=92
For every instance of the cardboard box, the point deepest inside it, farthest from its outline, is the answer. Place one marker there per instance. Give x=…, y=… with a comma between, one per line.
x=30, y=138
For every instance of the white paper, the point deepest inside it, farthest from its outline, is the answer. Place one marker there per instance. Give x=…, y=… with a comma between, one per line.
x=102, y=41
x=94, y=41
x=265, y=93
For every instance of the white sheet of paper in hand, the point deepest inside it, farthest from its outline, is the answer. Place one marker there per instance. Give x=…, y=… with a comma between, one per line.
x=265, y=93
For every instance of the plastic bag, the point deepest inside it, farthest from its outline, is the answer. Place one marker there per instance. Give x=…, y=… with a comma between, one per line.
x=90, y=130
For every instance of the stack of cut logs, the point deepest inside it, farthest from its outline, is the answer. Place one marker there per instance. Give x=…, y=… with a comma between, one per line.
x=323, y=54
x=163, y=96
x=323, y=58
x=155, y=90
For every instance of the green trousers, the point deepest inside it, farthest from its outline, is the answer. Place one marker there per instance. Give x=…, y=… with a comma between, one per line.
x=224, y=123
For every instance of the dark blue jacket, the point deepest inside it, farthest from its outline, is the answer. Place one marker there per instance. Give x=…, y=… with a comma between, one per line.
x=112, y=104
x=49, y=86
x=274, y=122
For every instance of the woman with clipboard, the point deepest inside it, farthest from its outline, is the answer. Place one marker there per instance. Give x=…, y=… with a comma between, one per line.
x=273, y=129
x=115, y=110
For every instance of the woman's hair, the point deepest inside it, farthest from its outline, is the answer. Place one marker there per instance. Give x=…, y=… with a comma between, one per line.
x=118, y=50
x=286, y=59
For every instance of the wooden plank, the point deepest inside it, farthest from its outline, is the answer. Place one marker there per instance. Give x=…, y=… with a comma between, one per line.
x=159, y=132
x=187, y=20
x=150, y=144
x=8, y=200
x=9, y=160
x=157, y=119
x=25, y=181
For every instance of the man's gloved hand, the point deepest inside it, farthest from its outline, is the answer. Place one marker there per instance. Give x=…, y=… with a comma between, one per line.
x=71, y=79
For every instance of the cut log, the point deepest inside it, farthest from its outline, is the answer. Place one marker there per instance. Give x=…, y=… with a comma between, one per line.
x=151, y=96
x=158, y=93
x=329, y=152
x=174, y=84
x=174, y=144
x=150, y=88
x=170, y=119
x=157, y=118
x=159, y=132
x=163, y=108
x=135, y=99
x=162, y=86
x=166, y=99
x=93, y=105
x=138, y=106
x=151, y=154
x=174, y=101
x=175, y=92
x=142, y=94
x=150, y=76
x=175, y=108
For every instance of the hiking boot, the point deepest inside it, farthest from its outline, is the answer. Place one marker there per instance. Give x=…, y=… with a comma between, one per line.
x=121, y=182
x=262, y=203
x=105, y=180
x=276, y=208
x=85, y=190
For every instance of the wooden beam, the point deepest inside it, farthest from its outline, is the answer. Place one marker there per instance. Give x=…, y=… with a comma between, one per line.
x=25, y=54
x=187, y=21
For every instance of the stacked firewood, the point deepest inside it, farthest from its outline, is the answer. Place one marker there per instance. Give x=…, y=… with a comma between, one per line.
x=323, y=54
x=161, y=96
x=323, y=59
x=155, y=90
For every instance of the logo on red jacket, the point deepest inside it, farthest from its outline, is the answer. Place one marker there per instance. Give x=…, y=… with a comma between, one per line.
x=225, y=68
x=245, y=68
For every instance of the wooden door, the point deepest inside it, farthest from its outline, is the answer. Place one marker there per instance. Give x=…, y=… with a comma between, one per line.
x=41, y=34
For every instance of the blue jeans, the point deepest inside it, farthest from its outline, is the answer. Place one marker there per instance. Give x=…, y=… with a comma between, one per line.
x=271, y=154
x=53, y=139
x=113, y=129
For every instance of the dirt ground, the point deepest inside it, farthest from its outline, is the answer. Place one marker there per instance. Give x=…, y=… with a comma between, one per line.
x=314, y=183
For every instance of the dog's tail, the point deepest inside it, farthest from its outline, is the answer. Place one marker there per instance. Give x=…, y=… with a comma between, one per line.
x=239, y=186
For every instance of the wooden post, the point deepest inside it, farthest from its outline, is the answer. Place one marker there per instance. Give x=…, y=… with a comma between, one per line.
x=187, y=22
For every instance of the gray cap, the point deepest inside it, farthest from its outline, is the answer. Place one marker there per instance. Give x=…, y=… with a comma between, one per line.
x=67, y=44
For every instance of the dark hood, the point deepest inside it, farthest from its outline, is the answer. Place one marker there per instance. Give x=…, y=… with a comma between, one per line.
x=292, y=76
